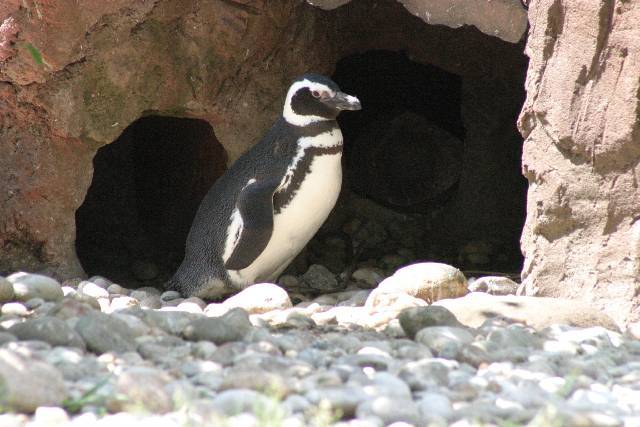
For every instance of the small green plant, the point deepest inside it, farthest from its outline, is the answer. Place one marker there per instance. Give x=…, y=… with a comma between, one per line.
x=36, y=55
x=323, y=415
x=89, y=397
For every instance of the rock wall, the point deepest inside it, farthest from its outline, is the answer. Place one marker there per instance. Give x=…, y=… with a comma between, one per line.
x=582, y=153
x=75, y=74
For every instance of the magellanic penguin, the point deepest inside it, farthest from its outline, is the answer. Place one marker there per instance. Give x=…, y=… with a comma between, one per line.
x=260, y=214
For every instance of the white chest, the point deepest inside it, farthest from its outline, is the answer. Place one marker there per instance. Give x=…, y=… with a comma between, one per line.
x=296, y=223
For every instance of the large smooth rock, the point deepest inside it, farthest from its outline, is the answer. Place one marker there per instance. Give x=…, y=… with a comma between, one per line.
x=103, y=333
x=48, y=329
x=29, y=383
x=142, y=389
x=416, y=318
x=475, y=308
x=260, y=298
x=232, y=326
x=429, y=281
x=27, y=286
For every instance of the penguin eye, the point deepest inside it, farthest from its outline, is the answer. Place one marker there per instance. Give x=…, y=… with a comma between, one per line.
x=315, y=94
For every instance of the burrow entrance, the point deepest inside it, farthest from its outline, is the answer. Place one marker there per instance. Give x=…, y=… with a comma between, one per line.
x=431, y=164
x=146, y=188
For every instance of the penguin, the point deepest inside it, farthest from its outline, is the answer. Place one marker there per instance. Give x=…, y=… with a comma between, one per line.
x=267, y=206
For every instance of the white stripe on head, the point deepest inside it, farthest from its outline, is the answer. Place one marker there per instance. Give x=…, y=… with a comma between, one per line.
x=297, y=119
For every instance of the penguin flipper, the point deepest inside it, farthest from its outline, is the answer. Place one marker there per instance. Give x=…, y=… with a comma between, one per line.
x=255, y=204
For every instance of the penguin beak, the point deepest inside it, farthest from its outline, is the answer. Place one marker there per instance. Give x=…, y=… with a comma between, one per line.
x=342, y=101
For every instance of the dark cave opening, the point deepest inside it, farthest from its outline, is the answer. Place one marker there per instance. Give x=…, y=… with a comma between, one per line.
x=146, y=188
x=405, y=147
x=432, y=161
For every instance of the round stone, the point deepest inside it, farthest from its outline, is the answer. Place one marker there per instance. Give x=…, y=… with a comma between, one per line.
x=260, y=298
x=14, y=309
x=48, y=329
x=416, y=318
x=93, y=290
x=27, y=286
x=320, y=278
x=494, y=285
x=103, y=333
x=429, y=281
x=28, y=383
x=232, y=326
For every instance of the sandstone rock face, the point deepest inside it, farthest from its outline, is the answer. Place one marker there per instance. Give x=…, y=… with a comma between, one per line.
x=581, y=154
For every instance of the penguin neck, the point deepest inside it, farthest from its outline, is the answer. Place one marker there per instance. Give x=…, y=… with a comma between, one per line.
x=315, y=128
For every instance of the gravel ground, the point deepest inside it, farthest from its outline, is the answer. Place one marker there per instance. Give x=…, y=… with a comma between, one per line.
x=375, y=353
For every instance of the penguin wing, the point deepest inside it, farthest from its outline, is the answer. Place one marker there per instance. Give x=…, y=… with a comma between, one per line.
x=255, y=204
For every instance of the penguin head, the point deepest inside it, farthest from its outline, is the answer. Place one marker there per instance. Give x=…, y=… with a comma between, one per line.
x=312, y=98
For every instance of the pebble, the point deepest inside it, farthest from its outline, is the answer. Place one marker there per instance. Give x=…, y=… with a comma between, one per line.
x=320, y=278
x=14, y=309
x=494, y=285
x=334, y=362
x=232, y=326
x=28, y=383
x=103, y=333
x=260, y=298
x=416, y=318
x=27, y=286
x=142, y=389
x=48, y=329
x=93, y=290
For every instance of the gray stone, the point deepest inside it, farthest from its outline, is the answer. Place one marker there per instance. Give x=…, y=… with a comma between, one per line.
x=203, y=349
x=344, y=398
x=389, y=410
x=6, y=290
x=494, y=285
x=28, y=383
x=415, y=318
x=27, y=286
x=103, y=333
x=34, y=303
x=434, y=405
x=6, y=337
x=171, y=322
x=48, y=329
x=260, y=298
x=369, y=276
x=170, y=295
x=117, y=289
x=143, y=388
x=425, y=374
x=320, y=278
x=232, y=326
x=232, y=402
x=444, y=338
